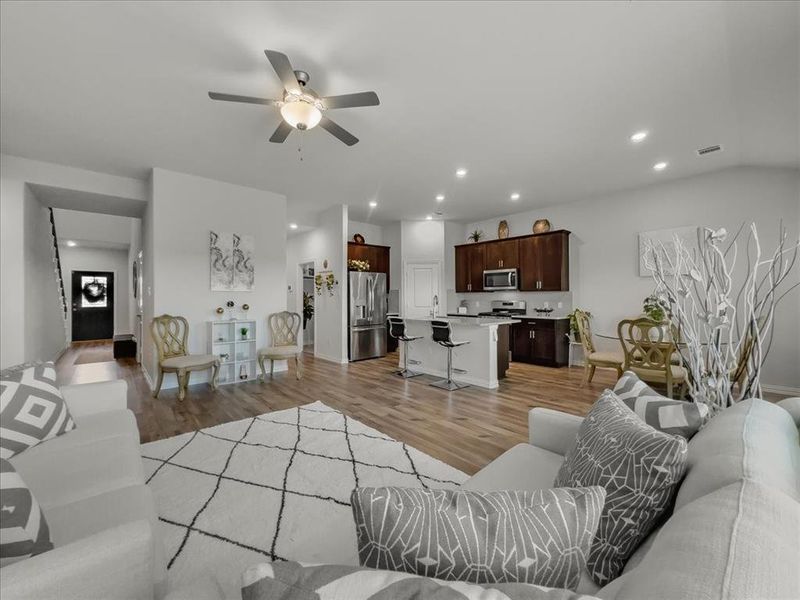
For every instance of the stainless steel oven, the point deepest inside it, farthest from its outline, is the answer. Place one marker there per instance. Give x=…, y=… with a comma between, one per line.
x=500, y=279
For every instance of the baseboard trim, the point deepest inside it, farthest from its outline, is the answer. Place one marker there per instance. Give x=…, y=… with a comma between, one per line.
x=338, y=361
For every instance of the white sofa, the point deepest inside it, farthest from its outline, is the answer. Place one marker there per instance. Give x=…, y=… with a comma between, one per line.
x=735, y=529
x=102, y=518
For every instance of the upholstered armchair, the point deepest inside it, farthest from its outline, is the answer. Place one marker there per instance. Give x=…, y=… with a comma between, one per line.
x=592, y=358
x=170, y=335
x=284, y=327
x=649, y=347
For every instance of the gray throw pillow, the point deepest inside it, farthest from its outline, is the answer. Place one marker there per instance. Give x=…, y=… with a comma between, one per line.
x=23, y=528
x=31, y=409
x=294, y=581
x=670, y=416
x=640, y=469
x=541, y=537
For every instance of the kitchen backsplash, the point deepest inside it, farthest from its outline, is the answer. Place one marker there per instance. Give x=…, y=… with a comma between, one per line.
x=481, y=301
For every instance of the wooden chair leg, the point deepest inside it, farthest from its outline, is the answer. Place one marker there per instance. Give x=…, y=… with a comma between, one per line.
x=271, y=368
x=158, y=383
x=669, y=385
x=591, y=372
x=298, y=366
x=263, y=369
x=619, y=372
x=214, y=373
x=182, y=381
x=586, y=368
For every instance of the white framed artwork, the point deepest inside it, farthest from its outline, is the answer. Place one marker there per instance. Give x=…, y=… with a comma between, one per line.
x=231, y=262
x=663, y=240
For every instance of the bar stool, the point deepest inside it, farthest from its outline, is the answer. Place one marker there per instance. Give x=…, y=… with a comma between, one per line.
x=397, y=329
x=443, y=335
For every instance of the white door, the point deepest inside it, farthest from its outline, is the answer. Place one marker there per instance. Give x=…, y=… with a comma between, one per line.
x=421, y=295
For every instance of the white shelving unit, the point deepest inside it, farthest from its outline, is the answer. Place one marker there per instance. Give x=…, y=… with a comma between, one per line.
x=237, y=354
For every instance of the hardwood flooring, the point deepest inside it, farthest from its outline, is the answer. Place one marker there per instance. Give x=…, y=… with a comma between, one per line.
x=467, y=428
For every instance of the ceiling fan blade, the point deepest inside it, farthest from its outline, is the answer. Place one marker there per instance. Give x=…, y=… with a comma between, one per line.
x=281, y=133
x=245, y=99
x=352, y=100
x=280, y=62
x=337, y=131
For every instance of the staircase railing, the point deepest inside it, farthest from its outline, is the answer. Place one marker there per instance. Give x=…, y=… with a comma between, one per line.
x=59, y=276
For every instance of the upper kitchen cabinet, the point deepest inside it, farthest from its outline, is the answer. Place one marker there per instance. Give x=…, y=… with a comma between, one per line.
x=470, y=260
x=544, y=262
x=502, y=254
x=376, y=256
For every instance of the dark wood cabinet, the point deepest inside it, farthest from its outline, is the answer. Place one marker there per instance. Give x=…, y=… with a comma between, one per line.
x=541, y=342
x=376, y=256
x=502, y=254
x=544, y=262
x=470, y=260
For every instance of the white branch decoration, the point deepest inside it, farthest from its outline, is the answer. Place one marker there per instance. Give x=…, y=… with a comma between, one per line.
x=724, y=318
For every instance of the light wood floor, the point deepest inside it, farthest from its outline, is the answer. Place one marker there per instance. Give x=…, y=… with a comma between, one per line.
x=466, y=429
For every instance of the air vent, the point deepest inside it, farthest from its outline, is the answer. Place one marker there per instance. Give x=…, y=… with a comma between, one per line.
x=709, y=150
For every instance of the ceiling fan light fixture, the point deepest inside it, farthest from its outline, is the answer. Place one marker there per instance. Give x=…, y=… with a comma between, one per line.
x=301, y=114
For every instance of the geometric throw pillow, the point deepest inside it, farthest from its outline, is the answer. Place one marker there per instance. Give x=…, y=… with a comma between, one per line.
x=538, y=537
x=295, y=581
x=640, y=469
x=31, y=409
x=670, y=416
x=23, y=528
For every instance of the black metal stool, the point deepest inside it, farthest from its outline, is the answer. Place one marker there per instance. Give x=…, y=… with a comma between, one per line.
x=397, y=329
x=443, y=335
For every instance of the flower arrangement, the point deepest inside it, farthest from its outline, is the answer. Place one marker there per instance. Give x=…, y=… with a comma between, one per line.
x=329, y=281
x=358, y=265
x=725, y=316
x=656, y=308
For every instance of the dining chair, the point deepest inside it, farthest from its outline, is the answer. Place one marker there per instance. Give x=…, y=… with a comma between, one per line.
x=284, y=327
x=648, y=347
x=592, y=358
x=170, y=335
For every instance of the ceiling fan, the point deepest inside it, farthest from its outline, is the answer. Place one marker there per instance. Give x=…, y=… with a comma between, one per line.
x=301, y=107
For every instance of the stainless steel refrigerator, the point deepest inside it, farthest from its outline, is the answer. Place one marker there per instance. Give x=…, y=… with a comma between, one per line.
x=367, y=312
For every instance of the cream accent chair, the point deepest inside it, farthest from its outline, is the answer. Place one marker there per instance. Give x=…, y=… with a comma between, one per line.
x=649, y=347
x=593, y=358
x=284, y=327
x=170, y=335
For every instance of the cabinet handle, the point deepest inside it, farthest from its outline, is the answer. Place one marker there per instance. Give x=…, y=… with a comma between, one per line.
x=501, y=263
x=533, y=334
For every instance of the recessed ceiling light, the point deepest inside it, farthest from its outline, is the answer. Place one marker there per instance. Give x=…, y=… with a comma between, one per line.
x=660, y=166
x=461, y=172
x=373, y=204
x=292, y=225
x=429, y=218
x=439, y=197
x=638, y=137
x=515, y=196
x=71, y=244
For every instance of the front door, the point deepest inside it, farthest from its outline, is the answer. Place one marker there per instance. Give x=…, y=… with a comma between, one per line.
x=92, y=305
x=421, y=294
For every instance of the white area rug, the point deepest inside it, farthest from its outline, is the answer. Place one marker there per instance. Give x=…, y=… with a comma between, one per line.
x=276, y=486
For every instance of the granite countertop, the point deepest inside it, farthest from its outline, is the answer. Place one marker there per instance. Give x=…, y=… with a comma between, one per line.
x=527, y=317
x=468, y=320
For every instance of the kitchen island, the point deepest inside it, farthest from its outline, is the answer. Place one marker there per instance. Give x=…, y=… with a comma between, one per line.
x=480, y=359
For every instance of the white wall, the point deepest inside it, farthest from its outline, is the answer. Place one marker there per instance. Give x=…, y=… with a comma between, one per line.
x=148, y=296
x=100, y=259
x=79, y=225
x=422, y=241
x=326, y=242
x=392, y=237
x=604, y=243
x=133, y=254
x=373, y=234
x=185, y=208
x=45, y=337
x=15, y=173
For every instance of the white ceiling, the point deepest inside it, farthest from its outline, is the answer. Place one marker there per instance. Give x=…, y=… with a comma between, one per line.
x=538, y=98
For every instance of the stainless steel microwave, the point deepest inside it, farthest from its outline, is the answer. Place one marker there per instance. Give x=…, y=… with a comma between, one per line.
x=500, y=279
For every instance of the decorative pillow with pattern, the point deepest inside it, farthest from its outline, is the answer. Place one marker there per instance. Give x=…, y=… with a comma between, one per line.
x=23, y=528
x=31, y=409
x=294, y=581
x=640, y=469
x=670, y=416
x=541, y=537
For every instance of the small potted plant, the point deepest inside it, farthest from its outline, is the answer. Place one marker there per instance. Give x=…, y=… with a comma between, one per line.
x=308, y=308
x=573, y=324
x=655, y=308
x=476, y=235
x=244, y=331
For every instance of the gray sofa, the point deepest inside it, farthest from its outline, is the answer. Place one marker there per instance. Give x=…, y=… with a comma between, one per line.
x=735, y=529
x=90, y=484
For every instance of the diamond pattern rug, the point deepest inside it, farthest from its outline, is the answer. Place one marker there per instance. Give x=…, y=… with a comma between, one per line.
x=274, y=487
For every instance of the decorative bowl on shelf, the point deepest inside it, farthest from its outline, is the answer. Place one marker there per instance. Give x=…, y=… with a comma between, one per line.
x=543, y=311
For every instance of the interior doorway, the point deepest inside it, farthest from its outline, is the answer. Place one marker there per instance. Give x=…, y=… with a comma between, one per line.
x=421, y=290
x=307, y=304
x=92, y=305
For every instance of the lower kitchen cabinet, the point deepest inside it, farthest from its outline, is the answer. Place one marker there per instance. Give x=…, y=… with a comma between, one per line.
x=541, y=342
